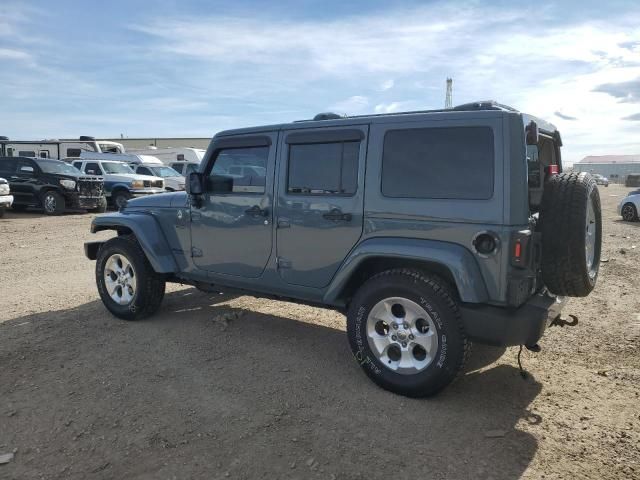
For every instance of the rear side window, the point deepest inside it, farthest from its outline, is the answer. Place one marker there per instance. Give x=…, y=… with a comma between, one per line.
x=177, y=167
x=78, y=165
x=323, y=168
x=450, y=162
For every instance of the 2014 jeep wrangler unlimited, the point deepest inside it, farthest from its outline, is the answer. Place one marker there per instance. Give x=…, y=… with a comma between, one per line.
x=428, y=229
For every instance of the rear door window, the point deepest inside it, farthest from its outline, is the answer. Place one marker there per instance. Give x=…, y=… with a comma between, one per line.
x=439, y=163
x=323, y=168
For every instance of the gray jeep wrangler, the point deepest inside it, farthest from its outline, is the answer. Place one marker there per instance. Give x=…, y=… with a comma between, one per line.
x=428, y=229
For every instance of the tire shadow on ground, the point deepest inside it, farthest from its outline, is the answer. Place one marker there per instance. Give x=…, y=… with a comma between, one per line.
x=256, y=395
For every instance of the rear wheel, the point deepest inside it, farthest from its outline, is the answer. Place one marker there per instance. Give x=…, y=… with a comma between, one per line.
x=629, y=212
x=127, y=283
x=405, y=331
x=53, y=203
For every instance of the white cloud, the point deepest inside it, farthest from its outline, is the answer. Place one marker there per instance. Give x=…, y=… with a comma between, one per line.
x=387, y=107
x=13, y=54
x=350, y=106
x=387, y=85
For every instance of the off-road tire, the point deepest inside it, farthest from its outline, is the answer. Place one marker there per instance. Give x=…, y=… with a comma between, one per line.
x=150, y=285
x=52, y=203
x=120, y=197
x=563, y=217
x=430, y=293
x=629, y=212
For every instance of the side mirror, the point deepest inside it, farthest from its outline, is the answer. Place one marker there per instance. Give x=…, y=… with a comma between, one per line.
x=26, y=169
x=195, y=184
x=532, y=134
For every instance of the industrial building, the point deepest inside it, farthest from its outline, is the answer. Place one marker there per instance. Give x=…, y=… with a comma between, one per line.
x=614, y=167
x=163, y=142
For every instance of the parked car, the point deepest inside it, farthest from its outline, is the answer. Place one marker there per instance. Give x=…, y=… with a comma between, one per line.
x=629, y=207
x=52, y=185
x=184, y=168
x=5, y=198
x=173, y=181
x=632, y=180
x=601, y=180
x=425, y=228
x=120, y=181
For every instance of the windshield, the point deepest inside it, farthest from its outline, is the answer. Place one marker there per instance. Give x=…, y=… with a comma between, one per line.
x=53, y=166
x=165, y=172
x=116, y=167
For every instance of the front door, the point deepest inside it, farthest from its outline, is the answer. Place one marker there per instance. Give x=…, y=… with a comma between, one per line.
x=320, y=201
x=231, y=232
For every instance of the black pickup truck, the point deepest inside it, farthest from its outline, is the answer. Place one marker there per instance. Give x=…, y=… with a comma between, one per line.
x=52, y=185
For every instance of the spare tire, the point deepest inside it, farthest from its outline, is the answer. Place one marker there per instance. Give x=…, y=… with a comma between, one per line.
x=571, y=226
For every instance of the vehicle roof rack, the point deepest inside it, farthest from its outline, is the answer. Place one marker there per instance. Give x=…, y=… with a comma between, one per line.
x=465, y=107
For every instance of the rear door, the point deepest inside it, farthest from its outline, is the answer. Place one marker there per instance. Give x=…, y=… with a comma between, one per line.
x=320, y=201
x=24, y=181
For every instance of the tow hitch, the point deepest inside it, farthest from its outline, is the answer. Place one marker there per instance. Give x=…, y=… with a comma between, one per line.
x=556, y=322
x=561, y=322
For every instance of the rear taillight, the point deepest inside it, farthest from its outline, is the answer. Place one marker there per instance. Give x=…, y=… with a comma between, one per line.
x=520, y=248
x=551, y=170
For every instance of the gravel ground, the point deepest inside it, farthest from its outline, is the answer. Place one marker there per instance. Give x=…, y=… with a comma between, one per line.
x=237, y=387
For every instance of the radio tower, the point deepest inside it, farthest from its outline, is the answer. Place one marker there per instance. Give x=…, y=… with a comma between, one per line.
x=448, y=99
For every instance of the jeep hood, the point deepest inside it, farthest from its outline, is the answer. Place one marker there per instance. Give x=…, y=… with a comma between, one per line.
x=159, y=200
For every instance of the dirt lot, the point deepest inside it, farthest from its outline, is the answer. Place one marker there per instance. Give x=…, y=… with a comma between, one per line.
x=275, y=393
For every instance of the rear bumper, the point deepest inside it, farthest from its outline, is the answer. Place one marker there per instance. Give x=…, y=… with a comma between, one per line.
x=6, y=200
x=524, y=325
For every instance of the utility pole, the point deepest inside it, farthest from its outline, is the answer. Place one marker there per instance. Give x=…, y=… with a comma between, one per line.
x=448, y=99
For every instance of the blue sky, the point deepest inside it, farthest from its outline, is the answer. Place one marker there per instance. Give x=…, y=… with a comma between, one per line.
x=194, y=67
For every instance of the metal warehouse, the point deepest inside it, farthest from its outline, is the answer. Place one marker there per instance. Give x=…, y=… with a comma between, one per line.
x=614, y=167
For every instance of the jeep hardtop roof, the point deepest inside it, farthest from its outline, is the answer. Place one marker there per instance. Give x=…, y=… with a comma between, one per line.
x=485, y=108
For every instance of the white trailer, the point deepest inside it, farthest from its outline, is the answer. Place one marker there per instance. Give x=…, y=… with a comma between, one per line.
x=57, y=149
x=172, y=155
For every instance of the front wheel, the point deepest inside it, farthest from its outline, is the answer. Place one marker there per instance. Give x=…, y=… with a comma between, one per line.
x=53, y=203
x=101, y=207
x=120, y=199
x=405, y=331
x=629, y=212
x=127, y=283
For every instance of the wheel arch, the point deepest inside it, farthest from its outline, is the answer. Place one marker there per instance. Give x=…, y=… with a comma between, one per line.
x=147, y=232
x=454, y=263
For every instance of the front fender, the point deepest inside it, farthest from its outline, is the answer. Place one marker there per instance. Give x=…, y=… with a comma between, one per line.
x=459, y=261
x=148, y=233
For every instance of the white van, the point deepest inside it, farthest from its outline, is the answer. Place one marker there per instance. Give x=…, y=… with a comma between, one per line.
x=57, y=149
